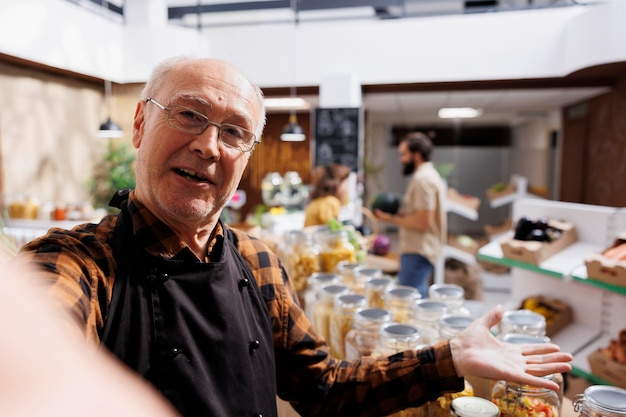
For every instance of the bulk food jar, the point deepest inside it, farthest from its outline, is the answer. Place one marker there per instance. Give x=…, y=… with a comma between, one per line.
x=362, y=339
x=341, y=321
x=524, y=339
x=335, y=247
x=396, y=337
x=300, y=255
x=451, y=295
x=314, y=283
x=362, y=274
x=473, y=407
x=375, y=289
x=346, y=270
x=522, y=322
x=516, y=400
x=398, y=301
x=323, y=308
x=601, y=401
x=425, y=315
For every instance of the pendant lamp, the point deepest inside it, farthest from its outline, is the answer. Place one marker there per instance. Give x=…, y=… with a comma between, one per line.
x=109, y=129
x=292, y=132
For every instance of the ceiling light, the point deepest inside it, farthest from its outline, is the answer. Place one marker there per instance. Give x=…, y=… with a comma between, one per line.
x=292, y=131
x=286, y=103
x=109, y=129
x=459, y=112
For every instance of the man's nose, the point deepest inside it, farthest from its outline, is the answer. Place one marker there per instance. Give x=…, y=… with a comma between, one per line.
x=207, y=144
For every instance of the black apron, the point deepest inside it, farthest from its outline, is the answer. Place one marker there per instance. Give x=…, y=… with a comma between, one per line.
x=199, y=332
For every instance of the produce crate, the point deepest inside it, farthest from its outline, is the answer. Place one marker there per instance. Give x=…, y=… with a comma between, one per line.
x=561, y=317
x=507, y=189
x=606, y=368
x=601, y=268
x=533, y=252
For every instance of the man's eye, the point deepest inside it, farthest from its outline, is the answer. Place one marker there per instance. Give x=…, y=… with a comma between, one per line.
x=234, y=132
x=189, y=115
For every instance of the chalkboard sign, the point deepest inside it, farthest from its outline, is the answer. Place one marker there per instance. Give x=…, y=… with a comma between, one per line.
x=338, y=137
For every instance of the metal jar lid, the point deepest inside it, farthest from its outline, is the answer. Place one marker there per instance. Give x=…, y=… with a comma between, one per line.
x=473, y=407
x=604, y=398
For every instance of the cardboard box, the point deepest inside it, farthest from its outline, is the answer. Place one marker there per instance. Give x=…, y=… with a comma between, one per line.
x=607, y=369
x=533, y=252
x=509, y=189
x=601, y=268
x=563, y=313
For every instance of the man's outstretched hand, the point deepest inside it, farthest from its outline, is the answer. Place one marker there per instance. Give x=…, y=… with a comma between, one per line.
x=477, y=352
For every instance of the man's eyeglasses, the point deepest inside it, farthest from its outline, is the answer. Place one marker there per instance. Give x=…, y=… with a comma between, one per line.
x=191, y=121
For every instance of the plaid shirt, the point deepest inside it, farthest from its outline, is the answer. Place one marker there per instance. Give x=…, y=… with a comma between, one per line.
x=80, y=267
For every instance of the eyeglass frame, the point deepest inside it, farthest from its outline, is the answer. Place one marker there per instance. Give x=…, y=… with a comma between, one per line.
x=208, y=123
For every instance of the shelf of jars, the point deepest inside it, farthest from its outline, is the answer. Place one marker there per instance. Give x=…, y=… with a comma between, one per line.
x=598, y=307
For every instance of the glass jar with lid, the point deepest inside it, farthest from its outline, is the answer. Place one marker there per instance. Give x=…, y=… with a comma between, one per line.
x=517, y=400
x=451, y=325
x=323, y=308
x=270, y=189
x=452, y=295
x=362, y=274
x=314, y=283
x=525, y=339
x=335, y=247
x=291, y=190
x=522, y=322
x=601, y=401
x=425, y=316
x=396, y=337
x=398, y=301
x=362, y=338
x=300, y=255
x=473, y=407
x=375, y=289
x=346, y=270
x=341, y=321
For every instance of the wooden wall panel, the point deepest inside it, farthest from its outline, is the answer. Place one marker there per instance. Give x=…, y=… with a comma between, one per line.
x=594, y=151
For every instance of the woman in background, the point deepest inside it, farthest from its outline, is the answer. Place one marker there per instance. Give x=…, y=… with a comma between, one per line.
x=330, y=190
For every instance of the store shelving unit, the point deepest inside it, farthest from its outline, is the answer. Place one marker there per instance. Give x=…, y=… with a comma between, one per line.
x=599, y=309
x=452, y=206
x=521, y=192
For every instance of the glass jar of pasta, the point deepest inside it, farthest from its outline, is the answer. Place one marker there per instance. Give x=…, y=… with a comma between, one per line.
x=323, y=308
x=362, y=338
x=335, y=247
x=452, y=295
x=301, y=257
x=398, y=301
x=522, y=322
x=425, y=316
x=396, y=337
x=601, y=401
x=341, y=321
x=524, y=339
x=516, y=400
x=362, y=274
x=375, y=289
x=451, y=325
x=346, y=270
x=314, y=283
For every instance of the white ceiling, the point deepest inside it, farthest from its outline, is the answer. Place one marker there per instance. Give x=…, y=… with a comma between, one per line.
x=506, y=107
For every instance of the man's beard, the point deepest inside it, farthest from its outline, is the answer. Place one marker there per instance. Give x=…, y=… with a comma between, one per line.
x=408, y=168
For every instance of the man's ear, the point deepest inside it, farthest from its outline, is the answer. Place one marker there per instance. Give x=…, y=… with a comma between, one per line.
x=138, y=123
